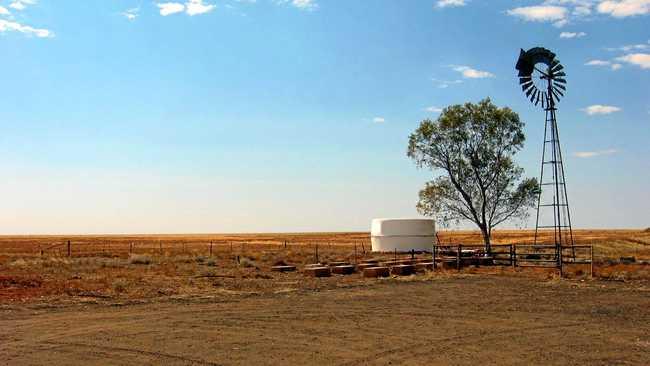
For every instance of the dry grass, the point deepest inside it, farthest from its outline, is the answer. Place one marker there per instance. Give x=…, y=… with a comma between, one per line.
x=182, y=265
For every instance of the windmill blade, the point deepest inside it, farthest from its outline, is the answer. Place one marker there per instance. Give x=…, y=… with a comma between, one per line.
x=560, y=74
x=530, y=91
x=526, y=85
x=559, y=80
x=557, y=68
x=556, y=90
x=537, y=101
x=532, y=97
x=557, y=97
x=524, y=79
x=560, y=86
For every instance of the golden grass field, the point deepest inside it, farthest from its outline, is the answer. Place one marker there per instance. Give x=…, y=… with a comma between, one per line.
x=38, y=268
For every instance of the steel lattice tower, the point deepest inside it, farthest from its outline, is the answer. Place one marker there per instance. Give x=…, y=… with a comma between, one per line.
x=548, y=85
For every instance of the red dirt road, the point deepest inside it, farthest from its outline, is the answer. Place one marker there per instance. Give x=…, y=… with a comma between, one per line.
x=460, y=320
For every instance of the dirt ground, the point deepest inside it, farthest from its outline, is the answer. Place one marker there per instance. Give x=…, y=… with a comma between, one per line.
x=460, y=319
x=213, y=299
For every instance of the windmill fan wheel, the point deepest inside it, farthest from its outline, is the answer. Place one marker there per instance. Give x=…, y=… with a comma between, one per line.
x=541, y=76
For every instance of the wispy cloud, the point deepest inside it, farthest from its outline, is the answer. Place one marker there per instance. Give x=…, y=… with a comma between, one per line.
x=569, y=35
x=597, y=109
x=443, y=84
x=379, y=120
x=10, y=26
x=557, y=15
x=624, y=8
x=591, y=154
x=308, y=5
x=470, y=73
x=433, y=109
x=131, y=14
x=630, y=47
x=4, y=11
x=638, y=59
x=612, y=65
x=21, y=4
x=450, y=3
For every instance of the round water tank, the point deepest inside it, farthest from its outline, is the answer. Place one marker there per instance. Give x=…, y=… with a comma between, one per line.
x=403, y=235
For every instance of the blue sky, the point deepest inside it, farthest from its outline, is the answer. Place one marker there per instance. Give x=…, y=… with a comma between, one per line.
x=133, y=116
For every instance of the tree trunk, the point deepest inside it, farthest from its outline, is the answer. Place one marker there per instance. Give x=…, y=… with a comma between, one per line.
x=486, y=240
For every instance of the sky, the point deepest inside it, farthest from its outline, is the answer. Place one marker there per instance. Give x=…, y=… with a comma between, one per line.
x=212, y=116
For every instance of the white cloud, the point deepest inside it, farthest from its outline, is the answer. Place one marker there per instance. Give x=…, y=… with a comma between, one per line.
x=470, y=73
x=572, y=34
x=600, y=109
x=613, y=66
x=541, y=13
x=450, y=3
x=131, y=14
x=21, y=4
x=591, y=154
x=638, y=59
x=195, y=7
x=379, y=120
x=305, y=4
x=170, y=8
x=191, y=8
x=624, y=8
x=433, y=109
x=8, y=26
x=4, y=11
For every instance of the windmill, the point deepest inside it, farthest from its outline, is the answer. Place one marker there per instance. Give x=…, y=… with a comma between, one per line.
x=542, y=79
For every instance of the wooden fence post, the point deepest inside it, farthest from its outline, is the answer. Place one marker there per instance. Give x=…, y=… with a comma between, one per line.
x=514, y=255
x=433, y=255
x=131, y=248
x=355, y=253
x=210, y=249
x=559, y=259
x=591, y=262
x=458, y=257
x=69, y=249
x=317, y=253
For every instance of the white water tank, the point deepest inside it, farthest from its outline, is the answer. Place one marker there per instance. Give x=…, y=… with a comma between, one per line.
x=405, y=235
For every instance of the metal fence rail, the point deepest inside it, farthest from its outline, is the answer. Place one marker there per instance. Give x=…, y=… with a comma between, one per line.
x=514, y=255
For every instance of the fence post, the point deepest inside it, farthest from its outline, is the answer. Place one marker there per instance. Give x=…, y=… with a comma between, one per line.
x=560, y=261
x=131, y=248
x=317, y=253
x=160, y=246
x=363, y=248
x=458, y=257
x=433, y=255
x=69, y=249
x=514, y=254
x=210, y=249
x=355, y=253
x=512, y=257
x=591, y=262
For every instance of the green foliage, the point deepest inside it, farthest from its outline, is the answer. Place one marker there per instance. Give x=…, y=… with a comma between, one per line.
x=473, y=145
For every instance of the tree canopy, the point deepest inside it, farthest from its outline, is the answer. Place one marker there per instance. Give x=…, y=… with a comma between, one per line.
x=473, y=146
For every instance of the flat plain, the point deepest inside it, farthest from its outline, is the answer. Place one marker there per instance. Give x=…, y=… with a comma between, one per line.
x=170, y=299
